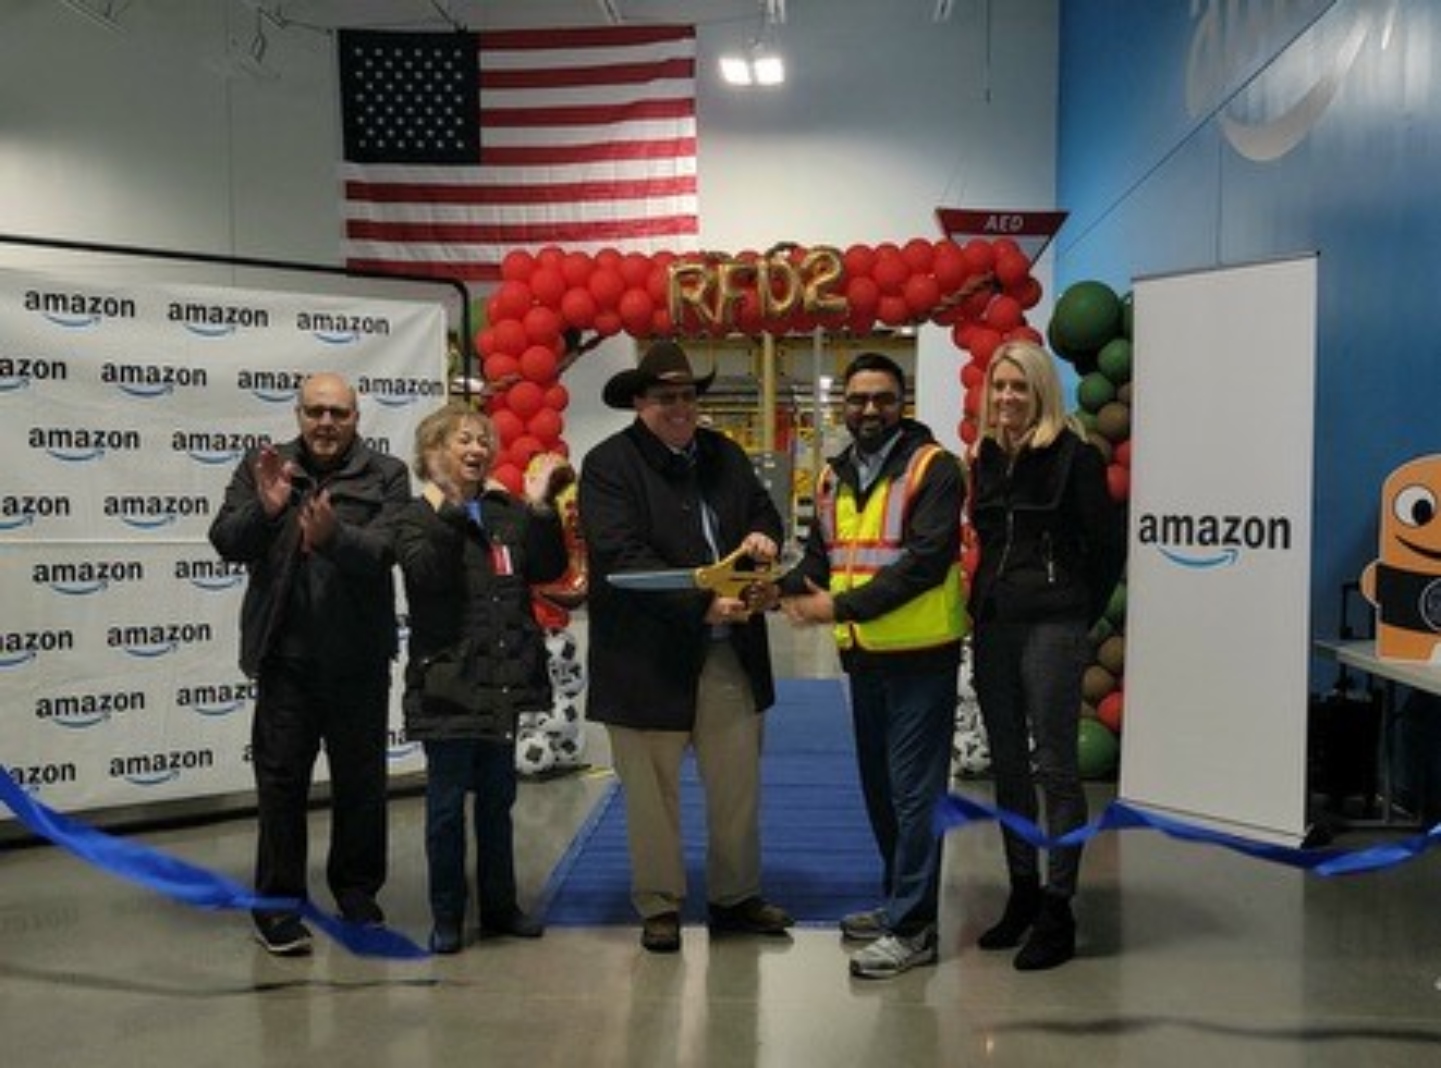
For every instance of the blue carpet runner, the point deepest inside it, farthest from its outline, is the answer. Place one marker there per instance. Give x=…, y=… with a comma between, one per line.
x=818, y=858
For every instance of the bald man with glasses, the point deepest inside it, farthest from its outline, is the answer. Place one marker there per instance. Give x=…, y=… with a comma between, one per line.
x=310, y=519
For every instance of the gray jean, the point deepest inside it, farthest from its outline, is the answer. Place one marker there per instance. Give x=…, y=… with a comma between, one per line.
x=1028, y=683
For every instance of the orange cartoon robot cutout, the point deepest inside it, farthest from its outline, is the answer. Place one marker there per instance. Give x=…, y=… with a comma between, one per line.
x=1404, y=583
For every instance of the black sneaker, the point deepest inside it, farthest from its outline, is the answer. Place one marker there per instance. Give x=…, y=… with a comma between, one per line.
x=282, y=934
x=362, y=910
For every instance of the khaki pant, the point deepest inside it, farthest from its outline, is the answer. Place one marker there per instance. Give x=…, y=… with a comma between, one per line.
x=727, y=743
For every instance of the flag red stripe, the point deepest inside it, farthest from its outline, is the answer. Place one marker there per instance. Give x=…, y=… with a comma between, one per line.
x=586, y=114
x=607, y=152
x=519, y=233
x=589, y=37
x=549, y=193
x=564, y=77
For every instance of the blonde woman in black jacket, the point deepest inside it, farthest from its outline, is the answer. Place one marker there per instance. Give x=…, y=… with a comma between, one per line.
x=1051, y=549
x=470, y=553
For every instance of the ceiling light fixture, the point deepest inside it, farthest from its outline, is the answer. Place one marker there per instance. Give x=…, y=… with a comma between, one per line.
x=942, y=13
x=760, y=63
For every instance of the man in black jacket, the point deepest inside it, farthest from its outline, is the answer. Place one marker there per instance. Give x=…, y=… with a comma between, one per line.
x=684, y=668
x=309, y=518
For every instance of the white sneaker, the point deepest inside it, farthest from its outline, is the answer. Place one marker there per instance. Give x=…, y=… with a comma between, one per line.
x=892, y=954
x=864, y=926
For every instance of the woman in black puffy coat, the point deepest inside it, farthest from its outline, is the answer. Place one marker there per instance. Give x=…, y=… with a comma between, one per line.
x=470, y=553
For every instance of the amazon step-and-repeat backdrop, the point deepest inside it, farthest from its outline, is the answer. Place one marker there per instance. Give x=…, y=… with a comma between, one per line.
x=123, y=412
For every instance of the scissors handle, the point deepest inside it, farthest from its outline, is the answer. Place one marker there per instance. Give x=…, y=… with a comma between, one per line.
x=726, y=578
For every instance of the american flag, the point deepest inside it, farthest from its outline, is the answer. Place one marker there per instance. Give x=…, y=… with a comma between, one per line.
x=581, y=138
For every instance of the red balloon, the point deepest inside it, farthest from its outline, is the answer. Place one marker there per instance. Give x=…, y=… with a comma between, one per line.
x=635, y=311
x=516, y=266
x=858, y=261
x=1011, y=267
x=557, y=397
x=1004, y=314
x=576, y=268
x=972, y=374
x=545, y=426
x=1121, y=454
x=1026, y=333
x=607, y=286
x=542, y=326
x=971, y=402
x=511, y=300
x=608, y=259
x=524, y=448
x=607, y=323
x=551, y=256
x=979, y=256
x=508, y=336
x=863, y=295
x=511, y=477
x=634, y=270
x=921, y=293
x=508, y=425
x=1112, y=709
x=966, y=430
x=1118, y=481
x=537, y=363
x=919, y=255
x=548, y=285
x=949, y=266
x=525, y=398
x=890, y=273
x=1027, y=291
x=500, y=366
x=893, y=310
x=983, y=342
x=578, y=308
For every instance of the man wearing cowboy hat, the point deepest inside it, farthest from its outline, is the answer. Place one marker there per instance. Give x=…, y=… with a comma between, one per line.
x=671, y=669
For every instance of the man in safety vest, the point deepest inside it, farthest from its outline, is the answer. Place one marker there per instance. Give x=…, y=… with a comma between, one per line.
x=882, y=565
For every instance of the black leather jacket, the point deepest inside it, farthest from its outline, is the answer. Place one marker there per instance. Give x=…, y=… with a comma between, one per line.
x=334, y=608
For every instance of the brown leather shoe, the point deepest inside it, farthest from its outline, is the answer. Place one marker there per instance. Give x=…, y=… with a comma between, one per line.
x=661, y=933
x=754, y=915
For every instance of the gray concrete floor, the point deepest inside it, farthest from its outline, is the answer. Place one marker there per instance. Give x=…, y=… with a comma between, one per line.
x=1188, y=956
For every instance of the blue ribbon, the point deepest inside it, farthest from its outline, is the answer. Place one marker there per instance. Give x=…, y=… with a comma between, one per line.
x=185, y=882
x=954, y=811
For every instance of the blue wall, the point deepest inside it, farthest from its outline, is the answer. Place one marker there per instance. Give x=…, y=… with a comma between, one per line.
x=1154, y=184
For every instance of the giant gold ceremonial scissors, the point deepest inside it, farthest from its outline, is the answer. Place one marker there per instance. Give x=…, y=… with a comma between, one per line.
x=726, y=577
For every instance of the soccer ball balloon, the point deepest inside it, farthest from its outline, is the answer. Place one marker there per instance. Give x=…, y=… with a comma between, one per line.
x=533, y=753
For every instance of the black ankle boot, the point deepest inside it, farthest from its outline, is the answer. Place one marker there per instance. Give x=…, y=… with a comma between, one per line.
x=1053, y=938
x=1022, y=908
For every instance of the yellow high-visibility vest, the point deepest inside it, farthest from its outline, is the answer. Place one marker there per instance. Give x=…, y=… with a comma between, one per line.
x=861, y=541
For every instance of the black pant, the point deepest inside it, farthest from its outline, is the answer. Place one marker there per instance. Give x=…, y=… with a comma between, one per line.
x=299, y=709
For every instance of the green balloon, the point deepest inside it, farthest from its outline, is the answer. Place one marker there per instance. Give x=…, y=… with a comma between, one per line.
x=1097, y=749
x=1114, y=360
x=1087, y=316
x=1095, y=391
x=1116, y=606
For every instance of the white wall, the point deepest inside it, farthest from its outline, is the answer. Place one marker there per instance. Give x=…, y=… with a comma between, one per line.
x=153, y=138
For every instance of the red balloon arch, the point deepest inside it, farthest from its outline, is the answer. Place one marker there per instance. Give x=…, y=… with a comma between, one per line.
x=552, y=306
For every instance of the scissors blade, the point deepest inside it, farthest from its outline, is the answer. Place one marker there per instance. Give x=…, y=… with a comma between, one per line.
x=677, y=579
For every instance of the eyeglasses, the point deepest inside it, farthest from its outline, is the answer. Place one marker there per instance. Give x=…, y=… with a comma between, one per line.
x=860, y=401
x=317, y=412
x=671, y=397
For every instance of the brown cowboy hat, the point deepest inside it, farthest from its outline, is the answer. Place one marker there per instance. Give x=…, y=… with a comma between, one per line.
x=664, y=363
